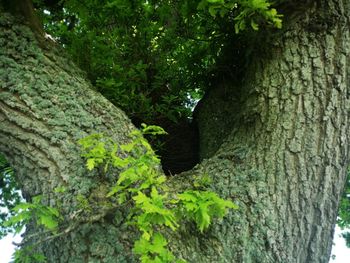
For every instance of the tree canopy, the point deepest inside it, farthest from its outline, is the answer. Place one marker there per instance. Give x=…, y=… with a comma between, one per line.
x=155, y=59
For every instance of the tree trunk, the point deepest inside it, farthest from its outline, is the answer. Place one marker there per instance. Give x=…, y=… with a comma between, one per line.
x=288, y=132
x=279, y=150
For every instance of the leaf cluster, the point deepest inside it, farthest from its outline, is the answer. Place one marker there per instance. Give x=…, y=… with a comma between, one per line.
x=28, y=255
x=155, y=207
x=244, y=12
x=43, y=215
x=202, y=206
x=9, y=195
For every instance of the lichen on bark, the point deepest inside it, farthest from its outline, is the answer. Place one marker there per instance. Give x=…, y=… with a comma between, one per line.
x=283, y=157
x=46, y=105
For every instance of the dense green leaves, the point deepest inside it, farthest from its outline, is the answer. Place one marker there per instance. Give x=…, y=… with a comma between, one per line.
x=154, y=59
x=245, y=12
x=131, y=52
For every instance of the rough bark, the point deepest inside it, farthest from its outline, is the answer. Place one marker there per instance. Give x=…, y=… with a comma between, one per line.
x=46, y=105
x=291, y=126
x=281, y=152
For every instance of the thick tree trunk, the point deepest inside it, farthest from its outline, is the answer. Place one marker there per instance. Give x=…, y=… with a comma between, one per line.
x=289, y=132
x=281, y=152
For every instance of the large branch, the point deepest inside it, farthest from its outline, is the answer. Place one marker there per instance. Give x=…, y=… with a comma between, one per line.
x=46, y=106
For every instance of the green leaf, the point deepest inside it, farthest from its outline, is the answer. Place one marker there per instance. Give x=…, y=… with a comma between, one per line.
x=159, y=241
x=202, y=5
x=203, y=217
x=236, y=28
x=254, y=25
x=48, y=222
x=121, y=163
x=90, y=164
x=39, y=257
x=216, y=1
x=141, y=246
x=60, y=189
x=121, y=198
x=140, y=180
x=212, y=10
x=140, y=198
x=152, y=130
x=36, y=200
x=53, y=211
x=223, y=12
x=154, y=247
x=115, y=189
x=127, y=147
x=257, y=4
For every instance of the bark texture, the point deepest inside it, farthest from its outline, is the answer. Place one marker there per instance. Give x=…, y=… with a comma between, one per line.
x=281, y=151
x=291, y=128
x=46, y=106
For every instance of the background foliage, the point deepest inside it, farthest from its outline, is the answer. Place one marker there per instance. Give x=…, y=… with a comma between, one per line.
x=154, y=59
x=9, y=195
x=344, y=212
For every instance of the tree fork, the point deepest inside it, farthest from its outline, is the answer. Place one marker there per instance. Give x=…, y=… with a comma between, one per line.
x=283, y=159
